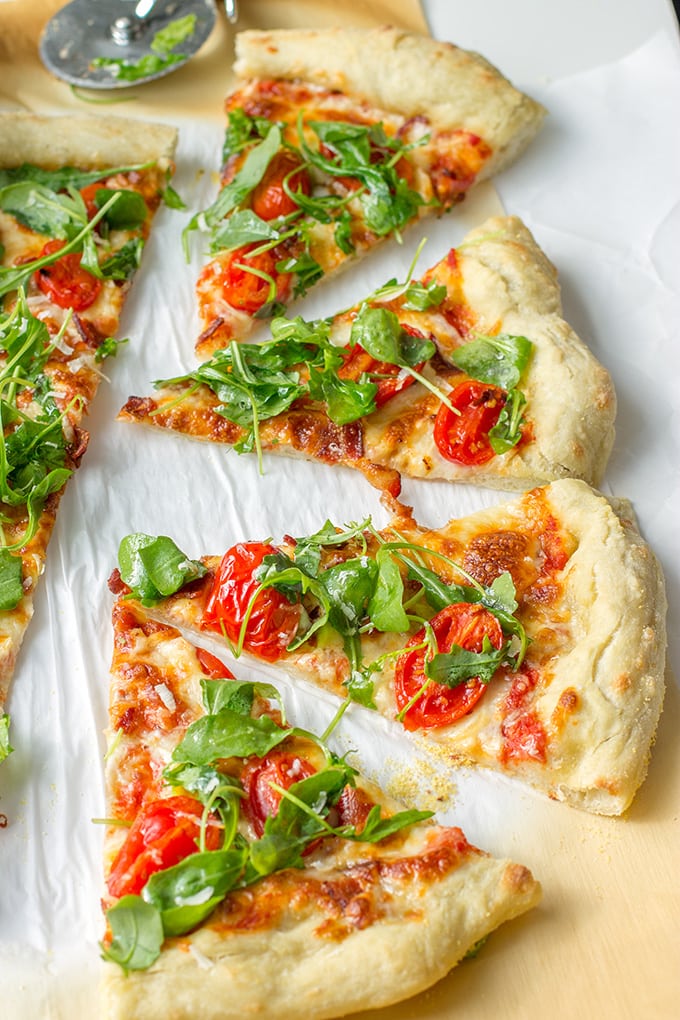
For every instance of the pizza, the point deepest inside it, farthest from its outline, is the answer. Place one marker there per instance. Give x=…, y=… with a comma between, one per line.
x=528, y=638
x=77, y=196
x=336, y=140
x=251, y=871
x=468, y=375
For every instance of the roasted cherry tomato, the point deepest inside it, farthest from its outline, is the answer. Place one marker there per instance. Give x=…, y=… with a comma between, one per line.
x=88, y=195
x=464, y=438
x=65, y=282
x=464, y=624
x=279, y=768
x=212, y=666
x=269, y=200
x=272, y=620
x=163, y=833
x=390, y=379
x=247, y=290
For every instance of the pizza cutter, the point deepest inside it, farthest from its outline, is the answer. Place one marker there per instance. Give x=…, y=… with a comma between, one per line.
x=84, y=30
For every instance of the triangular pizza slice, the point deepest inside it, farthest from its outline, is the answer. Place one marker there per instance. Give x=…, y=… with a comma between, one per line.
x=469, y=375
x=336, y=140
x=77, y=197
x=252, y=871
x=528, y=638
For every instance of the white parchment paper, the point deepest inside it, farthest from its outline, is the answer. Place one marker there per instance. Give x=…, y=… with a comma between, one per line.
x=600, y=189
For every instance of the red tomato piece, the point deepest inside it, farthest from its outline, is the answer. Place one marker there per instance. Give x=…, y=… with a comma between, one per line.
x=279, y=768
x=272, y=621
x=465, y=624
x=268, y=199
x=65, y=282
x=464, y=437
x=246, y=290
x=391, y=379
x=88, y=194
x=212, y=666
x=163, y=833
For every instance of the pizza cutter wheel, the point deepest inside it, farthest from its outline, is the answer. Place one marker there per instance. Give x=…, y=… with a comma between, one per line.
x=119, y=29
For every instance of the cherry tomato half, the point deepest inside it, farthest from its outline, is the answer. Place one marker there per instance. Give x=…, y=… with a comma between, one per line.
x=212, y=666
x=272, y=621
x=279, y=768
x=88, y=195
x=163, y=833
x=65, y=282
x=269, y=200
x=464, y=624
x=464, y=438
x=390, y=379
x=246, y=290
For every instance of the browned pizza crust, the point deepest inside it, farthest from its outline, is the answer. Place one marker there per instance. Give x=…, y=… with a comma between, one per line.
x=385, y=67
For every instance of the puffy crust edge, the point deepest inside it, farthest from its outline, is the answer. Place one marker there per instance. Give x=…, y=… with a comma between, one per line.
x=384, y=66
x=52, y=142
x=292, y=971
x=511, y=287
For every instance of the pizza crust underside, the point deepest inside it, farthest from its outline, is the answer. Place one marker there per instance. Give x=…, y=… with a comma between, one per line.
x=291, y=970
x=385, y=66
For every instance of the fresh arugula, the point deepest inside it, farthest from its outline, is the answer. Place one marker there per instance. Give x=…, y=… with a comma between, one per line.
x=11, y=577
x=334, y=149
x=177, y=899
x=154, y=567
x=161, y=57
x=500, y=361
x=5, y=746
x=32, y=448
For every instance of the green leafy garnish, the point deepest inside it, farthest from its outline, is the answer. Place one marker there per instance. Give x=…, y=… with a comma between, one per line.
x=176, y=899
x=154, y=567
x=5, y=746
x=11, y=576
x=160, y=59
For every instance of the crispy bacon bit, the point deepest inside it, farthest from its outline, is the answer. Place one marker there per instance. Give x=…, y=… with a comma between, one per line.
x=140, y=407
x=87, y=332
x=116, y=584
x=79, y=445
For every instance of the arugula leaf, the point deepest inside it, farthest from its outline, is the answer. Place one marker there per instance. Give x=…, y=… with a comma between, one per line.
x=241, y=130
x=349, y=585
x=307, y=271
x=377, y=828
x=507, y=431
x=41, y=209
x=385, y=606
x=421, y=296
x=162, y=44
x=346, y=400
x=238, y=189
x=128, y=212
x=11, y=587
x=64, y=177
x=459, y=665
x=5, y=746
x=498, y=360
x=380, y=333
x=188, y=892
x=137, y=934
x=122, y=264
x=243, y=227
x=225, y=734
x=154, y=567
x=108, y=348
x=237, y=695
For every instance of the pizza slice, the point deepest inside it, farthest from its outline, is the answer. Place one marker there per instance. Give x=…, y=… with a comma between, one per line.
x=335, y=141
x=528, y=638
x=251, y=871
x=469, y=375
x=77, y=196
